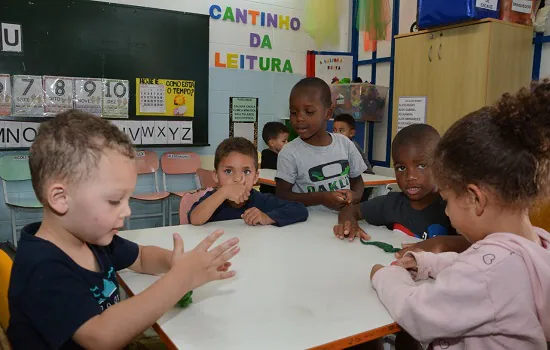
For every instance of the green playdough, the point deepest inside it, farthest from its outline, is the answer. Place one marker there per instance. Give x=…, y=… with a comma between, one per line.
x=388, y=248
x=186, y=300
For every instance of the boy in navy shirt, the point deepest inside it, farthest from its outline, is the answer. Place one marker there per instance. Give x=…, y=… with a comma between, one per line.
x=419, y=210
x=63, y=291
x=236, y=164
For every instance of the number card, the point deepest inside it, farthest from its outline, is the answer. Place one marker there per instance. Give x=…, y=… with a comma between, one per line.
x=89, y=95
x=115, y=98
x=5, y=94
x=59, y=94
x=28, y=96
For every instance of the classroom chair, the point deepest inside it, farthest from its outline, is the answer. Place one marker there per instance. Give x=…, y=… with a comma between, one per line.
x=178, y=163
x=147, y=163
x=15, y=169
x=5, y=273
x=187, y=201
x=206, y=178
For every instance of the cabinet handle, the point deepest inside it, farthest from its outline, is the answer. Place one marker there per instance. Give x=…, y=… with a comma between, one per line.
x=430, y=53
x=439, y=51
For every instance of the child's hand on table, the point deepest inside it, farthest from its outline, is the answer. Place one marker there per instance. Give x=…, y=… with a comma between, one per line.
x=347, y=226
x=255, y=216
x=202, y=265
x=236, y=193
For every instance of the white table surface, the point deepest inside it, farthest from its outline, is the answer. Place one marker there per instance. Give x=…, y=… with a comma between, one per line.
x=296, y=287
x=267, y=177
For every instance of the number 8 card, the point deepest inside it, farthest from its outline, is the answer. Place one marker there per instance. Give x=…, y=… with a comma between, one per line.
x=88, y=95
x=59, y=92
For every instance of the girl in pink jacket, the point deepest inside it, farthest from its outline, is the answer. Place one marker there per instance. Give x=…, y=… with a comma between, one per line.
x=491, y=167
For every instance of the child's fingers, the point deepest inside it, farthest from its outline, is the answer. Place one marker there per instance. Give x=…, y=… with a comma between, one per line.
x=225, y=275
x=226, y=256
x=178, y=244
x=364, y=236
x=347, y=228
x=338, y=230
x=206, y=243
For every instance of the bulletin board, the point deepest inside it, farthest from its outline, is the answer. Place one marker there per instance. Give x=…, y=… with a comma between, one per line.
x=118, y=45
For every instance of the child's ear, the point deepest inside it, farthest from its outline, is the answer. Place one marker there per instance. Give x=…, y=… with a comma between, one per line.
x=329, y=114
x=478, y=198
x=216, y=179
x=257, y=177
x=352, y=133
x=57, y=198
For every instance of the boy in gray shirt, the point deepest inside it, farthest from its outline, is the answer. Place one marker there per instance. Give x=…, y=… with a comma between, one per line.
x=318, y=168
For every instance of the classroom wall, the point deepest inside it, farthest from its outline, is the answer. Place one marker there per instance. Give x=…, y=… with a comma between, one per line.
x=407, y=16
x=545, y=61
x=271, y=88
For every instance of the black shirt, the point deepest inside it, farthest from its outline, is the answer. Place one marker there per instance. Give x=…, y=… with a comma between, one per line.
x=50, y=296
x=395, y=212
x=269, y=161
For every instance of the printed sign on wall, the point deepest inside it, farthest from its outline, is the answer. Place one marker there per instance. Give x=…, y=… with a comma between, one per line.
x=165, y=97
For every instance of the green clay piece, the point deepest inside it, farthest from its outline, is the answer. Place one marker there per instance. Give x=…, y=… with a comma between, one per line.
x=186, y=300
x=388, y=248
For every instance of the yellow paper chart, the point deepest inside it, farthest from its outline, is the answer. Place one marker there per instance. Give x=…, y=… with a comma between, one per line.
x=165, y=97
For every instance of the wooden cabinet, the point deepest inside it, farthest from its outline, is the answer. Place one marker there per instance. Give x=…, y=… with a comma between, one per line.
x=461, y=68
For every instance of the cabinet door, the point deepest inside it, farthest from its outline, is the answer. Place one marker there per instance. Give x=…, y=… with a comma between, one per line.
x=414, y=69
x=460, y=86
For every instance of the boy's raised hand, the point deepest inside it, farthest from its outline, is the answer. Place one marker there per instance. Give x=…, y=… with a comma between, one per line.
x=203, y=265
x=255, y=216
x=236, y=192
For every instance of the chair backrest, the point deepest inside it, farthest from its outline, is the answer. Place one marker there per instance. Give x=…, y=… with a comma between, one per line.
x=175, y=163
x=206, y=178
x=147, y=162
x=187, y=202
x=15, y=167
x=5, y=273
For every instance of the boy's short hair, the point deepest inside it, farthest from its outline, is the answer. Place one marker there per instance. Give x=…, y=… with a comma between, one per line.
x=345, y=118
x=69, y=147
x=272, y=130
x=316, y=83
x=416, y=134
x=235, y=144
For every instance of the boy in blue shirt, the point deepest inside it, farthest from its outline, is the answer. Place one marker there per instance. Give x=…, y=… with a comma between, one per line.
x=236, y=164
x=63, y=291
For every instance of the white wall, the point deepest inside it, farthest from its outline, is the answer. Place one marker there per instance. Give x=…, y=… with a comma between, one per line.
x=545, y=62
x=227, y=37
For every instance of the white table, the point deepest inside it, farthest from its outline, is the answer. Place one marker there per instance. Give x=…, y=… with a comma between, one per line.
x=296, y=287
x=267, y=177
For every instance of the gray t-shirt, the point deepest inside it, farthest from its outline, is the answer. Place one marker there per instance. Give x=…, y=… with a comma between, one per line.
x=320, y=169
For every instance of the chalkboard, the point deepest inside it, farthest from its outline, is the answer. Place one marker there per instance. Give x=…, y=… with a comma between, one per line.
x=82, y=38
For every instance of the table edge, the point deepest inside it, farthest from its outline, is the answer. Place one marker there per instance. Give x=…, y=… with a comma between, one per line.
x=156, y=327
x=269, y=182
x=334, y=345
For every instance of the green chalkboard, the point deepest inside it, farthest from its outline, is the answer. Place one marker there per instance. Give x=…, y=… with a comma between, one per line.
x=82, y=38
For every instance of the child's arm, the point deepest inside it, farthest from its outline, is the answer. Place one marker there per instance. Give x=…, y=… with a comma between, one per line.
x=348, y=226
x=280, y=212
x=152, y=260
x=424, y=310
x=203, y=211
x=438, y=244
x=120, y=323
x=424, y=265
x=357, y=187
x=334, y=200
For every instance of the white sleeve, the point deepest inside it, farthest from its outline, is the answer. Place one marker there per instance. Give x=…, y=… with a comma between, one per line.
x=287, y=169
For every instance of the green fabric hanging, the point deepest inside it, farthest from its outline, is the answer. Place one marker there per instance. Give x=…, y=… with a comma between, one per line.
x=373, y=18
x=322, y=22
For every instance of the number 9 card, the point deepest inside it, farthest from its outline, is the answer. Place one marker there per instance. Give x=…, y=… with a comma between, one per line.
x=88, y=95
